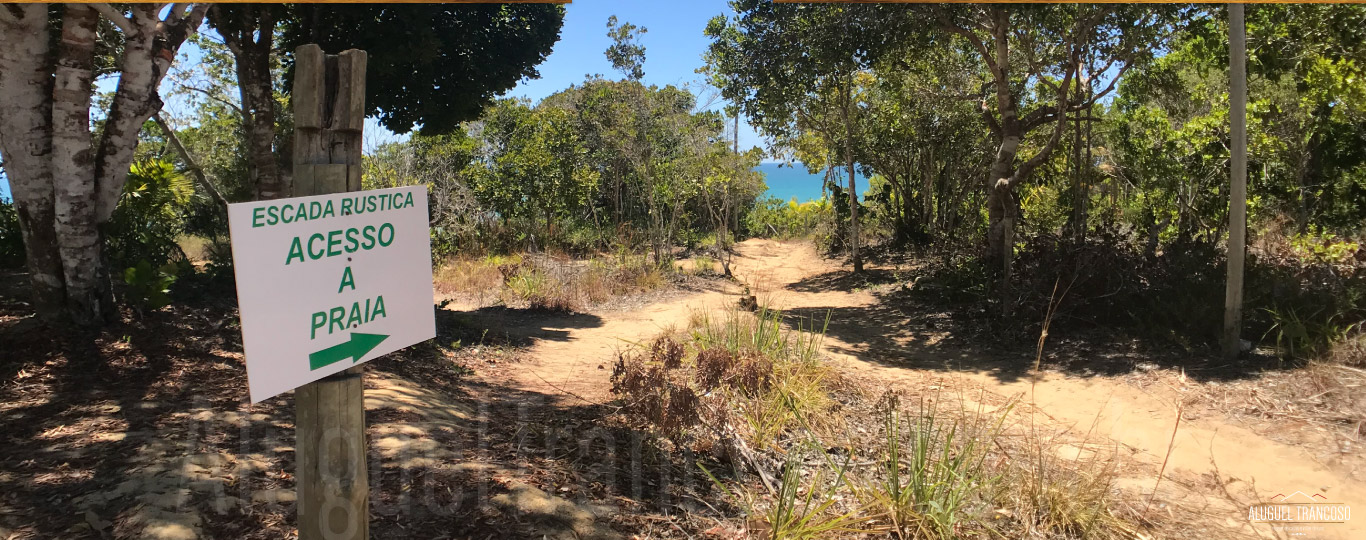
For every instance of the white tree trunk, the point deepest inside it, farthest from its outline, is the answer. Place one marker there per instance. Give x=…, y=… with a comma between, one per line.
x=65, y=185
x=73, y=171
x=26, y=143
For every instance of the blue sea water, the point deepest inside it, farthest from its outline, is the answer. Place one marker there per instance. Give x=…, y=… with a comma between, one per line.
x=787, y=182
x=784, y=182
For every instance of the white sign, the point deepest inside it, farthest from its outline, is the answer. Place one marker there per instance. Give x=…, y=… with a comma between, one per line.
x=329, y=281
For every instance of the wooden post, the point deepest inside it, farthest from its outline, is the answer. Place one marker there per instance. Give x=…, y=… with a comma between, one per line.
x=329, y=115
x=1237, y=204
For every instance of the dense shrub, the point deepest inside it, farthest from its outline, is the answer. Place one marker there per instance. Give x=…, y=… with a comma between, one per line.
x=11, y=240
x=1113, y=280
x=150, y=216
x=776, y=218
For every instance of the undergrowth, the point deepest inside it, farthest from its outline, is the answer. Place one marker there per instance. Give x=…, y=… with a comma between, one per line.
x=1294, y=302
x=545, y=282
x=826, y=462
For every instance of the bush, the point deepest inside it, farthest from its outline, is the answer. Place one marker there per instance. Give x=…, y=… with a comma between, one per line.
x=1109, y=280
x=740, y=379
x=11, y=238
x=775, y=218
x=544, y=282
x=149, y=288
x=150, y=216
x=1300, y=302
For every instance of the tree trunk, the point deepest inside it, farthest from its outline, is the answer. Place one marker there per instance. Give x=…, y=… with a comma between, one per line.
x=73, y=168
x=1076, y=223
x=928, y=170
x=251, y=42
x=1000, y=199
x=65, y=184
x=853, y=182
x=26, y=142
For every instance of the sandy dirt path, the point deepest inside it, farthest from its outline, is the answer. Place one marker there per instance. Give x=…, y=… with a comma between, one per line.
x=1207, y=451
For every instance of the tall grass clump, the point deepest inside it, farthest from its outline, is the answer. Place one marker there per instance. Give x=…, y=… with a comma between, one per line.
x=762, y=331
x=932, y=470
x=738, y=379
x=800, y=509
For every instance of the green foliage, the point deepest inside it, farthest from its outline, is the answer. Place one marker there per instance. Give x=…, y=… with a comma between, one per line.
x=432, y=64
x=803, y=514
x=1319, y=245
x=11, y=238
x=1305, y=335
x=626, y=54
x=150, y=216
x=534, y=166
x=764, y=332
x=774, y=218
x=149, y=287
x=1168, y=136
x=929, y=489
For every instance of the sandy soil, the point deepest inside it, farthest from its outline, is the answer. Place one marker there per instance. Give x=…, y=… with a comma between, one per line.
x=1216, y=467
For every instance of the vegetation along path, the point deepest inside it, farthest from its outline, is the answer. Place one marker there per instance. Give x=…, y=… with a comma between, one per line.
x=1212, y=464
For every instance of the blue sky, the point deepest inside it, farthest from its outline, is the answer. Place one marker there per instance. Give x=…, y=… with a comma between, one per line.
x=674, y=45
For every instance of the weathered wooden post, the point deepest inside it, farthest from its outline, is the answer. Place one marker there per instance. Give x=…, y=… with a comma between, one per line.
x=329, y=116
x=1237, y=204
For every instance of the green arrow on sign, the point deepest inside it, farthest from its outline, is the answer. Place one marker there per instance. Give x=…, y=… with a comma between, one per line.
x=359, y=345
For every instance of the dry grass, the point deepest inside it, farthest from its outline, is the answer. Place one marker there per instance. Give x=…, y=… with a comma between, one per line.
x=470, y=276
x=735, y=378
x=546, y=282
x=196, y=248
x=833, y=464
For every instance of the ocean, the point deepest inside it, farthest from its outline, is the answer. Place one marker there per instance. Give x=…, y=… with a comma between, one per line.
x=784, y=182
x=788, y=182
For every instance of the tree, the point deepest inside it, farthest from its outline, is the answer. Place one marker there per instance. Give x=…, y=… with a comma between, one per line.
x=1042, y=63
x=793, y=68
x=66, y=178
x=434, y=65
x=626, y=53
x=729, y=181
x=1167, y=130
x=534, y=166
x=441, y=163
x=922, y=134
x=248, y=31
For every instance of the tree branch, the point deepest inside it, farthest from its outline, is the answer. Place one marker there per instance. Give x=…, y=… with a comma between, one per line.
x=1028, y=166
x=185, y=155
x=115, y=16
x=210, y=95
x=177, y=13
x=972, y=38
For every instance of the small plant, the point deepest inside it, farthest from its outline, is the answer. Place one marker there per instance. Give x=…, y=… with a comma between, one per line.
x=149, y=288
x=798, y=513
x=540, y=289
x=703, y=265
x=1320, y=245
x=751, y=378
x=926, y=490
x=150, y=215
x=1298, y=336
